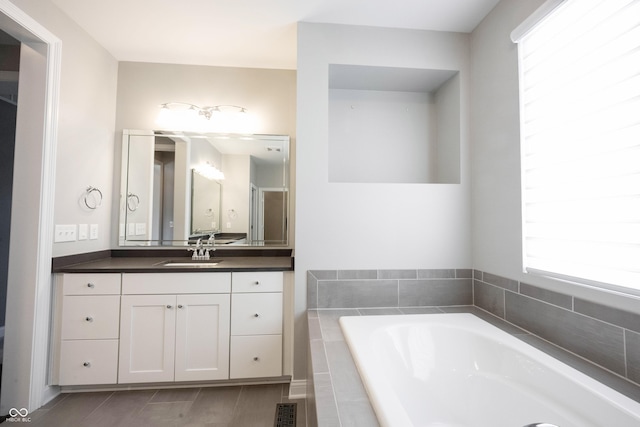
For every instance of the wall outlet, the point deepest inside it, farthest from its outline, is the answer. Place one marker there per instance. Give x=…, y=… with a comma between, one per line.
x=65, y=233
x=93, y=231
x=228, y=225
x=83, y=231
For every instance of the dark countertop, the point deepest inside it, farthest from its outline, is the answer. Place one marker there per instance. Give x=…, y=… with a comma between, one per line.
x=138, y=262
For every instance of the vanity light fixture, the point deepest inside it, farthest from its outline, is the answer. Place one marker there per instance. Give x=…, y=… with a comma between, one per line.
x=217, y=118
x=209, y=171
x=206, y=112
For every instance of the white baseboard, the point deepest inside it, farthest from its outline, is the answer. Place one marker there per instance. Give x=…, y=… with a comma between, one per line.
x=298, y=389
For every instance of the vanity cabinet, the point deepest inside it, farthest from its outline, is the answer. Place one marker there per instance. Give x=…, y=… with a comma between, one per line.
x=256, y=325
x=125, y=328
x=174, y=327
x=89, y=316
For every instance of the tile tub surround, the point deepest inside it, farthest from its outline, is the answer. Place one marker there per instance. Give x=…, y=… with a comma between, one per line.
x=336, y=396
x=606, y=336
x=388, y=288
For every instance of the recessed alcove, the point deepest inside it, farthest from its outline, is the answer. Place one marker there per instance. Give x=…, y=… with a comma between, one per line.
x=393, y=125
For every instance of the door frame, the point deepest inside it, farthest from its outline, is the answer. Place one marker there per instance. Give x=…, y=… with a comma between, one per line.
x=25, y=363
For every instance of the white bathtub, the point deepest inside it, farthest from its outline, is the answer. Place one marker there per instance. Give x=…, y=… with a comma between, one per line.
x=457, y=370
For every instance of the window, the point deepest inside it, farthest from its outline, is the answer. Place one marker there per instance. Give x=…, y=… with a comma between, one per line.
x=580, y=136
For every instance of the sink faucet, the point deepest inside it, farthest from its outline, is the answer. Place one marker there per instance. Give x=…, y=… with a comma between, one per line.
x=199, y=251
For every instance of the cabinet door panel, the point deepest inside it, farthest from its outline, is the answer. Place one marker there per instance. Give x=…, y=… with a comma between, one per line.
x=91, y=284
x=90, y=317
x=88, y=362
x=176, y=283
x=254, y=314
x=257, y=281
x=202, y=337
x=256, y=356
x=147, y=338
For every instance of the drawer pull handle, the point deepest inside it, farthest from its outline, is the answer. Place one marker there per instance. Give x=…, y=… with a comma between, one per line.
x=179, y=305
x=87, y=364
x=256, y=315
x=169, y=306
x=257, y=282
x=89, y=319
x=91, y=285
x=256, y=359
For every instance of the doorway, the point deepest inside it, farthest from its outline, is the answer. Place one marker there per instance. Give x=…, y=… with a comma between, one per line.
x=9, y=73
x=274, y=215
x=24, y=379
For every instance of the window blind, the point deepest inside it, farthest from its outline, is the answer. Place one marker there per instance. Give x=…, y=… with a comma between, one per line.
x=580, y=134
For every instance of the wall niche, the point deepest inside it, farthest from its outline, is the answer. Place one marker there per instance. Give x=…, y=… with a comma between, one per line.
x=393, y=125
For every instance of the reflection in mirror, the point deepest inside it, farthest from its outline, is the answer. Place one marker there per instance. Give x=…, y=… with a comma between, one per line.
x=205, y=204
x=178, y=187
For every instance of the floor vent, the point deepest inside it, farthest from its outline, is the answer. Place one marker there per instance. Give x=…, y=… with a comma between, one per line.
x=285, y=415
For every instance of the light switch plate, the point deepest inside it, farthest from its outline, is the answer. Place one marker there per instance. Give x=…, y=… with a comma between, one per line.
x=141, y=229
x=65, y=233
x=93, y=231
x=83, y=231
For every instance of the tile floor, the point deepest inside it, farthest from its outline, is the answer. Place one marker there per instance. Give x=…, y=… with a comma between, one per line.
x=232, y=406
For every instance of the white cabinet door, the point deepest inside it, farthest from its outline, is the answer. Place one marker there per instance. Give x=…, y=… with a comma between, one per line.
x=257, y=281
x=202, y=337
x=90, y=317
x=256, y=314
x=256, y=356
x=88, y=362
x=147, y=338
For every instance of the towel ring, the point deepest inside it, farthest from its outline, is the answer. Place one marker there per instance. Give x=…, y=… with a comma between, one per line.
x=96, y=201
x=133, y=201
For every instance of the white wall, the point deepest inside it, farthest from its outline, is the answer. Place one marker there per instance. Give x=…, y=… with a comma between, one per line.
x=85, y=150
x=495, y=142
x=381, y=136
x=361, y=226
x=448, y=131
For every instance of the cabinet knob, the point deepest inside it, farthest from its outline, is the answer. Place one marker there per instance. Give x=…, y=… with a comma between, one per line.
x=256, y=315
x=91, y=285
x=179, y=305
x=87, y=364
x=257, y=282
x=256, y=358
x=89, y=319
x=169, y=306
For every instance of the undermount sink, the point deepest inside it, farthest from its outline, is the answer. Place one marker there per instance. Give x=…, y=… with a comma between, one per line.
x=190, y=263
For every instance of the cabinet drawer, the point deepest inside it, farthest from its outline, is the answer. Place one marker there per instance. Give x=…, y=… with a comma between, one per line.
x=176, y=283
x=88, y=362
x=91, y=284
x=261, y=281
x=256, y=356
x=255, y=314
x=90, y=317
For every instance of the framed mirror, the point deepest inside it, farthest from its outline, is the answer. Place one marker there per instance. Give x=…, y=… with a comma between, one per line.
x=178, y=187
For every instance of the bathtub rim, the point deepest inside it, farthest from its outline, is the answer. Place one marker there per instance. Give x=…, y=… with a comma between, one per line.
x=351, y=326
